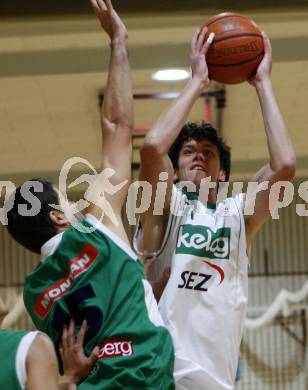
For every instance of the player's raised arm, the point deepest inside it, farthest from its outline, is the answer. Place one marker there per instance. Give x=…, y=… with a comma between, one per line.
x=117, y=108
x=281, y=166
x=154, y=152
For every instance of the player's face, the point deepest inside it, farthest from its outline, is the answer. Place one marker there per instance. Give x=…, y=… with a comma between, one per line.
x=199, y=160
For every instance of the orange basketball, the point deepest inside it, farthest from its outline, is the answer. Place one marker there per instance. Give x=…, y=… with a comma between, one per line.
x=237, y=49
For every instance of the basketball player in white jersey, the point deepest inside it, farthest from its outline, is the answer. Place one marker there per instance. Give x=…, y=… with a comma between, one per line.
x=204, y=301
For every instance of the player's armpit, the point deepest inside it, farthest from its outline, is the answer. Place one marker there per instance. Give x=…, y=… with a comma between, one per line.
x=156, y=169
x=260, y=201
x=153, y=232
x=158, y=286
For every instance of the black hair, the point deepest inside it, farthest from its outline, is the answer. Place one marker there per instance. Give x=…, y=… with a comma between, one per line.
x=32, y=231
x=198, y=131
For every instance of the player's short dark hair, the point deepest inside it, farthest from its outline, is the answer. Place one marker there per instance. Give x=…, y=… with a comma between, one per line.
x=199, y=131
x=32, y=231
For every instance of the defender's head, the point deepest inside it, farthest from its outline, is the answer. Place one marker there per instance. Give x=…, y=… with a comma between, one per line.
x=198, y=153
x=31, y=219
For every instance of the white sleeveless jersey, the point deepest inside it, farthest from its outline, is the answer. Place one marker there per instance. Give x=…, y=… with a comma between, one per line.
x=204, y=302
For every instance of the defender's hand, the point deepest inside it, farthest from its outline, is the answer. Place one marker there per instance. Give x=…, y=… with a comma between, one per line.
x=76, y=365
x=109, y=19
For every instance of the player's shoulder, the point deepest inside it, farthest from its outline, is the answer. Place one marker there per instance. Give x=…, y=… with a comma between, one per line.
x=180, y=197
x=239, y=199
x=232, y=205
x=41, y=346
x=41, y=356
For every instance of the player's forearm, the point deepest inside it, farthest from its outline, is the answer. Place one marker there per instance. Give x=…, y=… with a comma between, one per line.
x=165, y=131
x=118, y=102
x=282, y=157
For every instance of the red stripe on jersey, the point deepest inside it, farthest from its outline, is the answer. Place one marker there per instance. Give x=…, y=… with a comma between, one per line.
x=78, y=265
x=220, y=270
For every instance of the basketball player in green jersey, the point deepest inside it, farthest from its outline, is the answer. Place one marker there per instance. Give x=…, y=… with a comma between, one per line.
x=206, y=244
x=91, y=272
x=28, y=359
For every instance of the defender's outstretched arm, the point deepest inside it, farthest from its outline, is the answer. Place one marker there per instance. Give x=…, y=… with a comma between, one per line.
x=117, y=110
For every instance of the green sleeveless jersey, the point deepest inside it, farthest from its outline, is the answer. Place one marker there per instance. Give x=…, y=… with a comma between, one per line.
x=9, y=343
x=95, y=276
